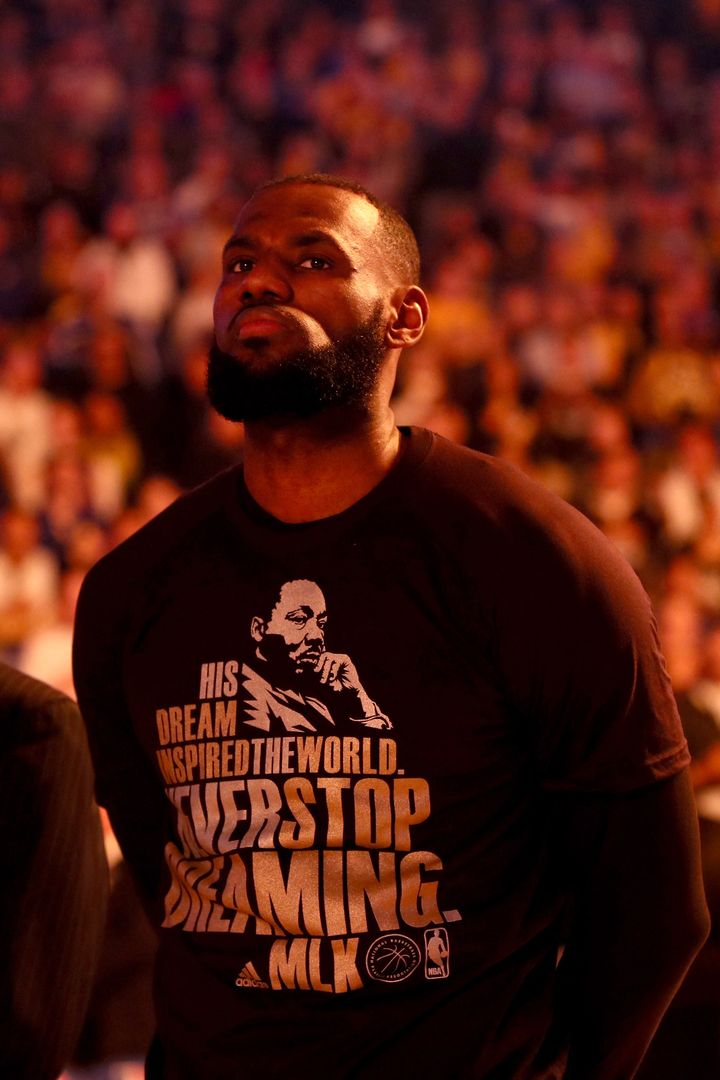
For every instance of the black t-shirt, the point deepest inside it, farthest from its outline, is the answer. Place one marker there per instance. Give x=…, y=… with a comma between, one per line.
x=328, y=751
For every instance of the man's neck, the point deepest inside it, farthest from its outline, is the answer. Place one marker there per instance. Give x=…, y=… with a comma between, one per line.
x=305, y=470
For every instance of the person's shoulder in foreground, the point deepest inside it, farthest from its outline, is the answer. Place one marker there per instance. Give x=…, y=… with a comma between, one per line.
x=157, y=540
x=52, y=912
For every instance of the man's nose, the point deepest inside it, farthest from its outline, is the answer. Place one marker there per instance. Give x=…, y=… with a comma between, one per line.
x=314, y=632
x=266, y=280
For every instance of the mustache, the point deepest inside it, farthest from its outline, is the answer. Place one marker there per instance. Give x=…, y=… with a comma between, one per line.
x=277, y=311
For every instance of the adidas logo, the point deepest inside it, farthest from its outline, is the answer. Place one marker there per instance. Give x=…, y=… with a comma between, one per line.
x=249, y=977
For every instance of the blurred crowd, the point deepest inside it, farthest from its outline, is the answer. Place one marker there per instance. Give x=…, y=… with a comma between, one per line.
x=560, y=162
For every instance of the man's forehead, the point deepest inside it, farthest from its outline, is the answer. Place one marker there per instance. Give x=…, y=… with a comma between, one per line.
x=336, y=210
x=301, y=594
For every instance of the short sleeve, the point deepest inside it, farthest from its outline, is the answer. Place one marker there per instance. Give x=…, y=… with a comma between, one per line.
x=579, y=653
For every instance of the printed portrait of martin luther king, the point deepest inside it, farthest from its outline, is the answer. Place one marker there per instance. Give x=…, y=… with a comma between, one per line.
x=294, y=684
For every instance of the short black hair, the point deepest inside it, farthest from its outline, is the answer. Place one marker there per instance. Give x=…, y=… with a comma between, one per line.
x=396, y=236
x=264, y=597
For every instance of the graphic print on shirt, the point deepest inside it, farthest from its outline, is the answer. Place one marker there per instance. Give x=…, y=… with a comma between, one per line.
x=290, y=649
x=295, y=820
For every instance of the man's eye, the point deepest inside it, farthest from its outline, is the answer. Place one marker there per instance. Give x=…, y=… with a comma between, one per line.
x=314, y=262
x=241, y=266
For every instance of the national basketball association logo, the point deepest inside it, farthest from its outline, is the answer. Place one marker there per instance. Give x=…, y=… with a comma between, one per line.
x=392, y=958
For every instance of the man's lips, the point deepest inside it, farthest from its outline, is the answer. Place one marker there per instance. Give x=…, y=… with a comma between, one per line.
x=310, y=657
x=256, y=322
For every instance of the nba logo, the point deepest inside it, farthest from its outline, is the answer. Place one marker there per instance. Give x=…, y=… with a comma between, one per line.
x=437, y=954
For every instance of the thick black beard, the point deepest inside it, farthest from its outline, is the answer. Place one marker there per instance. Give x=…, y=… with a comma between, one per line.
x=339, y=374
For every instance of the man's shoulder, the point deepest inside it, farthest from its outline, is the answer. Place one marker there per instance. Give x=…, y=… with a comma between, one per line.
x=29, y=707
x=136, y=556
x=500, y=518
x=479, y=485
x=471, y=476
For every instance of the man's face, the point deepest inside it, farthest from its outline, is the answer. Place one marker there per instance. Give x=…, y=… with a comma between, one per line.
x=301, y=308
x=294, y=636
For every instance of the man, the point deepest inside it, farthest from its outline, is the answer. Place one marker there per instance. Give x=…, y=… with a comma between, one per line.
x=290, y=649
x=390, y=902
x=52, y=911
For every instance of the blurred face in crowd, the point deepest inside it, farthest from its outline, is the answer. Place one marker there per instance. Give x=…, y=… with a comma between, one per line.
x=121, y=223
x=19, y=533
x=21, y=368
x=712, y=655
x=697, y=451
x=302, y=305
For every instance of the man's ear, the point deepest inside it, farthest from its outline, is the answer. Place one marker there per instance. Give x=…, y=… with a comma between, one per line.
x=409, y=315
x=257, y=628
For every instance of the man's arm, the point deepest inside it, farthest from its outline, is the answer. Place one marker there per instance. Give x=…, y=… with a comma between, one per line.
x=126, y=784
x=576, y=646
x=633, y=863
